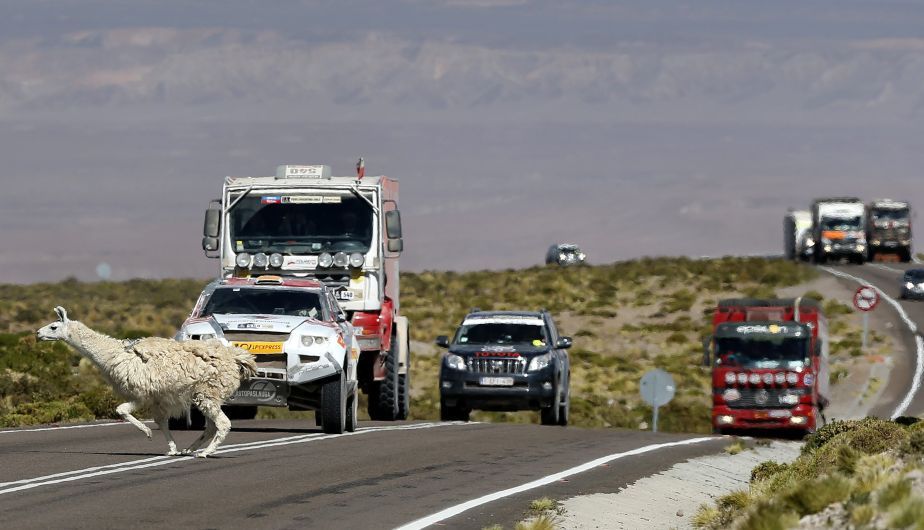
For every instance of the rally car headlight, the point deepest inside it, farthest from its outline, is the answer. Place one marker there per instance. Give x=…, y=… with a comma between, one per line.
x=242, y=260
x=539, y=362
x=909, y=285
x=455, y=362
x=310, y=340
x=207, y=336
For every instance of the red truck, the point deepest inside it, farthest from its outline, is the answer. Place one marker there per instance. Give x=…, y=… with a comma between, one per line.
x=769, y=363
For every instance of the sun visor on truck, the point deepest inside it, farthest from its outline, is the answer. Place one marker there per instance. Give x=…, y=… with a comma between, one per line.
x=762, y=330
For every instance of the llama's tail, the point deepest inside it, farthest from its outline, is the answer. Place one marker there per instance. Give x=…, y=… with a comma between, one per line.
x=246, y=363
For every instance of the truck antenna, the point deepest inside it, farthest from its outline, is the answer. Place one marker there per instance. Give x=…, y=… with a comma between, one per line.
x=360, y=168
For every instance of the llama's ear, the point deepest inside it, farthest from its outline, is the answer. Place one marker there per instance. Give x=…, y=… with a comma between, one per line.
x=62, y=314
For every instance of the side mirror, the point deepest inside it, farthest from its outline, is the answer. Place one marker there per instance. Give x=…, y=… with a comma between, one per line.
x=393, y=224
x=210, y=244
x=395, y=245
x=341, y=317
x=564, y=342
x=212, y=220
x=442, y=341
x=707, y=357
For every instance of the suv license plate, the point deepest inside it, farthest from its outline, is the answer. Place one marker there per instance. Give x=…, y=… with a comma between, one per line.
x=497, y=381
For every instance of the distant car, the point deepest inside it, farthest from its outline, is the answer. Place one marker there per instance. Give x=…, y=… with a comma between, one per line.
x=306, y=349
x=564, y=254
x=913, y=284
x=505, y=361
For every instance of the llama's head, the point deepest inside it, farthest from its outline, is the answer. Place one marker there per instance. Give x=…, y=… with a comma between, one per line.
x=57, y=330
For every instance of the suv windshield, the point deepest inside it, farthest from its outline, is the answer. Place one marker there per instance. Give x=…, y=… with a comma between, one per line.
x=502, y=334
x=788, y=353
x=251, y=301
x=915, y=275
x=302, y=224
x=848, y=223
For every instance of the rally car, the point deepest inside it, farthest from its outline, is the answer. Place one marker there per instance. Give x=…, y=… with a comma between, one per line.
x=305, y=347
x=506, y=360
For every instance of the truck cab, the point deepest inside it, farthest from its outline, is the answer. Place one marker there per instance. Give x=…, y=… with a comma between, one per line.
x=888, y=229
x=345, y=232
x=839, y=229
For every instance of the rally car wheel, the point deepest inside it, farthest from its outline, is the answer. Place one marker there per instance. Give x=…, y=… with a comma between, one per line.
x=333, y=406
x=352, y=410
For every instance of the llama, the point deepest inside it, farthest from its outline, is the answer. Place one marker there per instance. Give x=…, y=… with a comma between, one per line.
x=165, y=375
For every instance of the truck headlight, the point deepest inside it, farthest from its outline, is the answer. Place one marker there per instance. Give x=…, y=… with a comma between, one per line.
x=789, y=399
x=455, y=362
x=260, y=260
x=325, y=260
x=792, y=378
x=356, y=260
x=276, y=260
x=539, y=362
x=341, y=259
x=310, y=340
x=730, y=378
x=242, y=260
x=731, y=394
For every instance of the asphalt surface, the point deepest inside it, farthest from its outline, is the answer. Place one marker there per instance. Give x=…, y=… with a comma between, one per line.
x=286, y=474
x=887, y=277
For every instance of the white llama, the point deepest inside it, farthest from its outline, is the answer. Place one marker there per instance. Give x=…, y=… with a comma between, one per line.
x=164, y=375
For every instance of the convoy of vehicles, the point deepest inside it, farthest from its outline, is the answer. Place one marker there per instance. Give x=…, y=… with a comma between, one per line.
x=344, y=232
x=839, y=229
x=506, y=360
x=888, y=228
x=913, y=284
x=305, y=348
x=769, y=363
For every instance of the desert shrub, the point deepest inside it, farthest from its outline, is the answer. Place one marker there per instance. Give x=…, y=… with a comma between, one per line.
x=767, y=469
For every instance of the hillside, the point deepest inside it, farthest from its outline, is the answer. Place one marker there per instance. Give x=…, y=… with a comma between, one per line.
x=626, y=318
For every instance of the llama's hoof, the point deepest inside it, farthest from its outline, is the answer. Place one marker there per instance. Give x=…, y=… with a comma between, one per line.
x=174, y=452
x=187, y=452
x=147, y=432
x=201, y=454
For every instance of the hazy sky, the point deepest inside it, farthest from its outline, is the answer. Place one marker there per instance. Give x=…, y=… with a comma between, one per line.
x=632, y=128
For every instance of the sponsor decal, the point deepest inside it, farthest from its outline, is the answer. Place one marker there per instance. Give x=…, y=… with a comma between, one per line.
x=772, y=328
x=344, y=294
x=258, y=348
x=259, y=390
x=299, y=262
x=340, y=341
x=270, y=199
x=255, y=325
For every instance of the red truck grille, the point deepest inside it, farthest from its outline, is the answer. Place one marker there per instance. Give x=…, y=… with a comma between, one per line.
x=765, y=398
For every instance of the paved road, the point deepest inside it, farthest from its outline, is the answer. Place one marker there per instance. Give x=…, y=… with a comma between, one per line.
x=284, y=474
x=887, y=276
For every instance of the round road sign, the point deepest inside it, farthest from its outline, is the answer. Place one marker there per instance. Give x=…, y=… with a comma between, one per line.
x=866, y=298
x=657, y=387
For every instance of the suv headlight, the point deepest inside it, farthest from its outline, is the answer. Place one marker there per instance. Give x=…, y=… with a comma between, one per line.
x=539, y=362
x=455, y=362
x=909, y=285
x=310, y=340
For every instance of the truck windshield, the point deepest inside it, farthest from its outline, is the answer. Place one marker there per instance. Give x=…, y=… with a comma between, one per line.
x=301, y=224
x=883, y=217
x=788, y=353
x=502, y=334
x=250, y=301
x=841, y=223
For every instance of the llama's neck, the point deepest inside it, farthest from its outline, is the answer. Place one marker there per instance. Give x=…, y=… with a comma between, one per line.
x=102, y=350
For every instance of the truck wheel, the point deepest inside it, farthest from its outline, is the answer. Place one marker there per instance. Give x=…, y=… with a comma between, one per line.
x=196, y=421
x=448, y=413
x=383, y=398
x=550, y=415
x=352, y=410
x=404, y=396
x=333, y=406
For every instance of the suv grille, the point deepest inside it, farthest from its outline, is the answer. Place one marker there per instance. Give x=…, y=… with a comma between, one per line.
x=497, y=366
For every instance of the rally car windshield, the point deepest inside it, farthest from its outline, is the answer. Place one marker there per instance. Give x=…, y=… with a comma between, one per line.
x=785, y=353
x=846, y=223
x=244, y=301
x=502, y=334
x=301, y=224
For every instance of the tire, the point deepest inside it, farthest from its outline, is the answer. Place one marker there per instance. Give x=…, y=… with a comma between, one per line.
x=196, y=421
x=352, y=412
x=550, y=415
x=564, y=411
x=404, y=395
x=383, y=398
x=333, y=406
x=448, y=413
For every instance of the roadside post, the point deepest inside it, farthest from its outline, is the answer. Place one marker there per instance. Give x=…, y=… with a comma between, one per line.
x=657, y=389
x=865, y=299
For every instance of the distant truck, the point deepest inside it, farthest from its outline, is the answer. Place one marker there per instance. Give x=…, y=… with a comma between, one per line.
x=888, y=228
x=345, y=232
x=797, y=235
x=769, y=362
x=839, y=229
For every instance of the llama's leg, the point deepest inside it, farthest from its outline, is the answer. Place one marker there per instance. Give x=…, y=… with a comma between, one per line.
x=125, y=410
x=212, y=410
x=163, y=422
x=207, y=433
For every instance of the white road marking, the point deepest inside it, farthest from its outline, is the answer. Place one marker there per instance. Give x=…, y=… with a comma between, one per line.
x=80, y=474
x=919, y=357
x=465, y=506
x=886, y=267
x=81, y=426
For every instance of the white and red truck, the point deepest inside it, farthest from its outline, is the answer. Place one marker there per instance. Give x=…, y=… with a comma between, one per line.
x=343, y=231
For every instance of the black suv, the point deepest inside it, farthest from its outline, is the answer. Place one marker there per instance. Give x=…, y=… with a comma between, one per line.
x=913, y=284
x=506, y=360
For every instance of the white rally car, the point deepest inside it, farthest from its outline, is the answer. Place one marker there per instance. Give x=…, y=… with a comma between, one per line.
x=305, y=346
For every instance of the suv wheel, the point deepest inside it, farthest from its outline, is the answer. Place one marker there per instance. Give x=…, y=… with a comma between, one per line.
x=550, y=415
x=448, y=413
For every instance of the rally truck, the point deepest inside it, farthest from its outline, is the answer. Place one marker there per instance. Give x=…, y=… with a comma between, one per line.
x=344, y=232
x=769, y=362
x=797, y=235
x=839, y=229
x=305, y=349
x=888, y=229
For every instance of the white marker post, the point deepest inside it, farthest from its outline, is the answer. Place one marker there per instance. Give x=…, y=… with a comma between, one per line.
x=865, y=299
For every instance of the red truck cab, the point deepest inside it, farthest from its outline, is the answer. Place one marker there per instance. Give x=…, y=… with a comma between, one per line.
x=769, y=362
